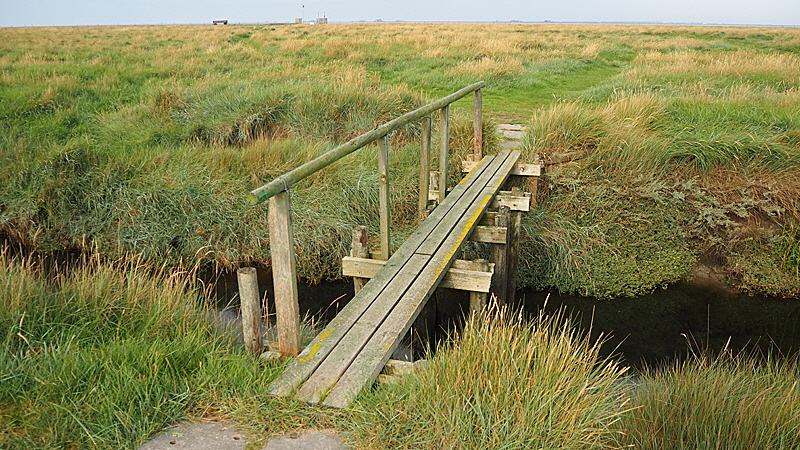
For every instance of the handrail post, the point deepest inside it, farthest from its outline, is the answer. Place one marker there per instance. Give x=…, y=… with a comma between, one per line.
x=477, y=151
x=424, y=167
x=383, y=172
x=444, y=150
x=284, y=274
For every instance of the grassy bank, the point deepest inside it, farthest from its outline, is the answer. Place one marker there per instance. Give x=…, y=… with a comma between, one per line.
x=683, y=141
x=107, y=355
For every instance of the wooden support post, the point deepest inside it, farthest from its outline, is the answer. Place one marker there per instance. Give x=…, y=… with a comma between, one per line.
x=359, y=248
x=424, y=168
x=515, y=229
x=444, y=151
x=500, y=258
x=251, y=309
x=477, y=300
x=477, y=151
x=383, y=171
x=284, y=274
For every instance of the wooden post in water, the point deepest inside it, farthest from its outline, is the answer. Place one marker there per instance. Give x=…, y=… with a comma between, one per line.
x=359, y=248
x=478, y=300
x=500, y=258
x=251, y=309
x=515, y=230
x=444, y=151
x=284, y=274
x=477, y=123
x=383, y=172
x=424, y=168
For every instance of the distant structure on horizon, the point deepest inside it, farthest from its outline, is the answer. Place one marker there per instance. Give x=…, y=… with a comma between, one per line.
x=298, y=20
x=220, y=22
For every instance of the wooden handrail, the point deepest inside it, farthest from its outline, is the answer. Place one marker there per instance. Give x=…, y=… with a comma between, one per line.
x=286, y=180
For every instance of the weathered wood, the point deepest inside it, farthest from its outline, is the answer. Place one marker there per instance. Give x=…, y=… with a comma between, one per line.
x=340, y=357
x=321, y=346
x=369, y=361
x=516, y=201
x=488, y=234
x=478, y=300
x=444, y=150
x=288, y=179
x=343, y=354
x=383, y=193
x=424, y=168
x=457, y=277
x=477, y=125
x=522, y=170
x=251, y=309
x=284, y=274
x=515, y=222
x=500, y=259
x=488, y=219
x=359, y=248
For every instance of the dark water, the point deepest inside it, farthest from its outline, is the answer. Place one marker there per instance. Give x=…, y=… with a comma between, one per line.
x=653, y=329
x=669, y=324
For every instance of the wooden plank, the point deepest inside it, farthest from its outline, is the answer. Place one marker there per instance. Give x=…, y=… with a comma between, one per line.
x=462, y=278
x=424, y=167
x=383, y=194
x=517, y=201
x=284, y=274
x=488, y=234
x=319, y=348
x=343, y=354
x=522, y=170
x=371, y=359
x=488, y=219
x=444, y=150
x=477, y=125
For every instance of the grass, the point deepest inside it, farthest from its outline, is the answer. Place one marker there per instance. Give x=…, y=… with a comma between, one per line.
x=503, y=382
x=716, y=402
x=143, y=140
x=106, y=355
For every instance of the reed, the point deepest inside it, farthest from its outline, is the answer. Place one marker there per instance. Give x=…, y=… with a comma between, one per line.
x=716, y=402
x=503, y=382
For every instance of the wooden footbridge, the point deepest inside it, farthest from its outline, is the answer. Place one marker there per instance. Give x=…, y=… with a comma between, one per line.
x=354, y=347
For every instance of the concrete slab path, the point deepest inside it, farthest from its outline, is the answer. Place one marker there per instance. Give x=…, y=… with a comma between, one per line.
x=224, y=436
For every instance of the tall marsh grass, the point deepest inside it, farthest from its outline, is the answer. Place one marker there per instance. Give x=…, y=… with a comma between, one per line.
x=107, y=355
x=503, y=382
x=716, y=402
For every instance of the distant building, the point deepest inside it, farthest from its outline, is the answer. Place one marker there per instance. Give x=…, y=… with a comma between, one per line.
x=298, y=20
x=220, y=22
x=322, y=20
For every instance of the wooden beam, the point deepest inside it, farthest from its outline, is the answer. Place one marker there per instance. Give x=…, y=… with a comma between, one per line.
x=424, y=168
x=478, y=300
x=284, y=274
x=383, y=193
x=288, y=179
x=477, y=125
x=488, y=234
x=444, y=150
x=516, y=201
x=520, y=169
x=462, y=276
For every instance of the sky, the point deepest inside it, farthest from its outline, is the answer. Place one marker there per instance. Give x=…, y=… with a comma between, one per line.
x=127, y=12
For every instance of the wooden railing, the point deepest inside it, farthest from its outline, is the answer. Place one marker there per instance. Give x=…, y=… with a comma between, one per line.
x=277, y=192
